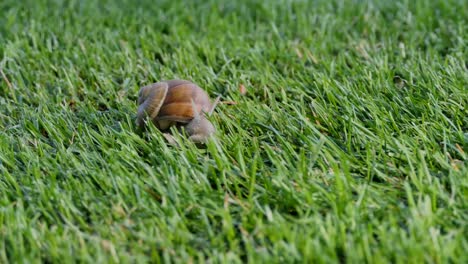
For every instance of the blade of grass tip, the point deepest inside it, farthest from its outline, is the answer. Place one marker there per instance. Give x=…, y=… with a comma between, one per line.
x=5, y=78
x=253, y=176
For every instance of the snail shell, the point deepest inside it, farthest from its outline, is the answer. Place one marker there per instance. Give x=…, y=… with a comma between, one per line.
x=170, y=102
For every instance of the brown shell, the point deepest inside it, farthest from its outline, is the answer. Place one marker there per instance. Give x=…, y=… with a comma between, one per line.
x=150, y=100
x=182, y=102
x=181, y=99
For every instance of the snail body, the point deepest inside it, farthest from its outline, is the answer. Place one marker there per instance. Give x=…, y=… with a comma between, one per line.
x=176, y=102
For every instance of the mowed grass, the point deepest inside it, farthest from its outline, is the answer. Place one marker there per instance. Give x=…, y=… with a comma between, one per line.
x=350, y=144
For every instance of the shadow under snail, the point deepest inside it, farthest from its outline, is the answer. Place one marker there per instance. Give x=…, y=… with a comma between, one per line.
x=176, y=102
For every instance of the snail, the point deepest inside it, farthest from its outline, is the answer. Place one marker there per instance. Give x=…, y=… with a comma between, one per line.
x=176, y=102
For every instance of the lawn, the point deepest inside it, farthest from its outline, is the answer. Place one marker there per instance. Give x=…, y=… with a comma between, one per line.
x=349, y=145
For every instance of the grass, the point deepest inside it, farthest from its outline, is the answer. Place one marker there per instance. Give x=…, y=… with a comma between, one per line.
x=349, y=146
